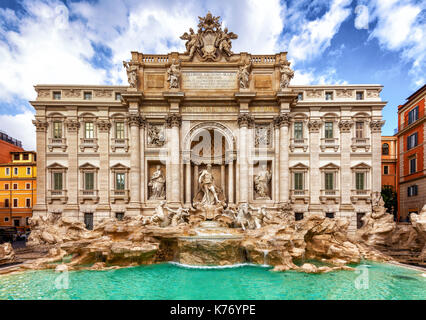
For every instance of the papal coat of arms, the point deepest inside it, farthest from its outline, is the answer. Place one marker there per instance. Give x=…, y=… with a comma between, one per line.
x=210, y=42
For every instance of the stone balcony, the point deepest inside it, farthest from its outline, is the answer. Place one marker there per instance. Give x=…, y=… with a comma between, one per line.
x=357, y=195
x=299, y=195
x=299, y=143
x=330, y=195
x=119, y=143
x=57, y=143
x=360, y=143
x=91, y=195
x=120, y=195
x=329, y=143
x=60, y=195
x=89, y=143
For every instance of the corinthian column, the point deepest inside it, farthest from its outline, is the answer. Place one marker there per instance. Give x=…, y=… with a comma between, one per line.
x=283, y=121
x=376, y=150
x=104, y=127
x=39, y=208
x=174, y=122
x=314, y=161
x=244, y=121
x=135, y=181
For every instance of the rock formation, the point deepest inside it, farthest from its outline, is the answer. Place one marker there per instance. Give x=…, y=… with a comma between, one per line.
x=283, y=243
x=7, y=255
x=419, y=225
x=378, y=227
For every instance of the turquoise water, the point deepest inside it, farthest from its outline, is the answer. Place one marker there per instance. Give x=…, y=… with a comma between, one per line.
x=168, y=281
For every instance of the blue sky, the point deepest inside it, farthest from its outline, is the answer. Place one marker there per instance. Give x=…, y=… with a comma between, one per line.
x=328, y=42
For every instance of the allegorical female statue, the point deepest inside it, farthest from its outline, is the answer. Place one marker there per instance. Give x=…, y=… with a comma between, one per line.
x=261, y=183
x=173, y=74
x=157, y=183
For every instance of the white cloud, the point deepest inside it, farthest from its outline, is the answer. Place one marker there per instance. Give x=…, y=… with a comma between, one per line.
x=315, y=36
x=400, y=28
x=306, y=77
x=43, y=47
x=20, y=127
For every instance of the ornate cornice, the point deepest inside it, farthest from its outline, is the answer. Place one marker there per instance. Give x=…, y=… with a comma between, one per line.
x=245, y=120
x=41, y=125
x=282, y=120
x=72, y=125
x=314, y=125
x=345, y=125
x=173, y=120
x=376, y=125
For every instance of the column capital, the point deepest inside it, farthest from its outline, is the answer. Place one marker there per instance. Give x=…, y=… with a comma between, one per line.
x=173, y=120
x=245, y=120
x=281, y=120
x=314, y=125
x=345, y=125
x=41, y=125
x=72, y=125
x=136, y=120
x=376, y=125
x=103, y=125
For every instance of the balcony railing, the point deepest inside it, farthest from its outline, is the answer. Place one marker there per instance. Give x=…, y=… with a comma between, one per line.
x=300, y=195
x=329, y=143
x=120, y=195
x=57, y=143
x=60, y=195
x=299, y=143
x=89, y=143
x=333, y=195
x=119, y=143
x=360, y=195
x=89, y=195
x=360, y=143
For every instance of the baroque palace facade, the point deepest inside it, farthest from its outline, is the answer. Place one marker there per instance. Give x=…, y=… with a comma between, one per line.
x=110, y=151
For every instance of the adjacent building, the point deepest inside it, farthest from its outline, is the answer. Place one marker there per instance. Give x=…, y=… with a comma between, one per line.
x=18, y=187
x=7, y=145
x=411, y=154
x=110, y=151
x=389, y=162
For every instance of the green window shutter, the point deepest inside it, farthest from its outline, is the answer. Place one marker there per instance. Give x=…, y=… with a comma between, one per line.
x=57, y=181
x=329, y=181
x=89, y=181
x=329, y=130
x=298, y=181
x=359, y=181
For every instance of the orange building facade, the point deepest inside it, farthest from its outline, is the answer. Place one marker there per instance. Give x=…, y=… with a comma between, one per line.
x=411, y=155
x=389, y=162
x=18, y=189
x=8, y=145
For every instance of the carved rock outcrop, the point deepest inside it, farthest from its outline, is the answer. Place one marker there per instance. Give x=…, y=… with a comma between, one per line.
x=419, y=224
x=7, y=254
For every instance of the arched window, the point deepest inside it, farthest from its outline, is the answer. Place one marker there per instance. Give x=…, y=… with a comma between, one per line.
x=385, y=149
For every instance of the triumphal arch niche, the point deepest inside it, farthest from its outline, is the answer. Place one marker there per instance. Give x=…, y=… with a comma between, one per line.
x=207, y=129
x=217, y=111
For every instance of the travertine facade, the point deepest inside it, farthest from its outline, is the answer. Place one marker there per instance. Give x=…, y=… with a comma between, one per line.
x=110, y=150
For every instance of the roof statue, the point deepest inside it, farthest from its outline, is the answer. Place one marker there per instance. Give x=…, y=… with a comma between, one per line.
x=210, y=42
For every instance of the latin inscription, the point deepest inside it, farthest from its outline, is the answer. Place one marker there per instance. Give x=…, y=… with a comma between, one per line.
x=209, y=80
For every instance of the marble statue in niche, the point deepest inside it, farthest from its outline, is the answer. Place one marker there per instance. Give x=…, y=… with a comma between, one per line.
x=156, y=135
x=206, y=182
x=244, y=75
x=173, y=75
x=132, y=76
x=157, y=184
x=286, y=74
x=261, y=183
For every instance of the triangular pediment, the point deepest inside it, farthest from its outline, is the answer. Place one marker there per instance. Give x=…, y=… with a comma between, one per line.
x=56, y=165
x=361, y=165
x=119, y=166
x=88, y=165
x=299, y=166
x=330, y=166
